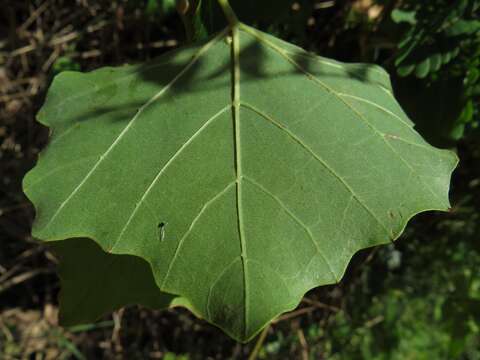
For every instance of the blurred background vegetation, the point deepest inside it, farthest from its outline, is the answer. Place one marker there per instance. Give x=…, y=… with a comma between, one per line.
x=416, y=299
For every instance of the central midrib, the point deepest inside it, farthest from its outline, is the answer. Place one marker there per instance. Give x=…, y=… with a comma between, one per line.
x=235, y=55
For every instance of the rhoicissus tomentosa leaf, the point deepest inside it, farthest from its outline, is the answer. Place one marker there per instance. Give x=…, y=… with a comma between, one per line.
x=244, y=170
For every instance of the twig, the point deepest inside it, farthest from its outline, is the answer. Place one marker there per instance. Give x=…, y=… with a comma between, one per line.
x=23, y=50
x=376, y=320
x=51, y=59
x=65, y=38
x=35, y=14
x=259, y=343
x=321, y=305
x=6, y=331
x=19, y=95
x=22, y=278
x=324, y=5
x=303, y=343
x=294, y=314
x=117, y=326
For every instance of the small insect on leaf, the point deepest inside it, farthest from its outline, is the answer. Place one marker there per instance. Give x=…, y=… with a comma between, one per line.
x=161, y=230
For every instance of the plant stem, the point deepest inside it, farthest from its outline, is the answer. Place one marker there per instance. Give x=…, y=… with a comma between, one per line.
x=229, y=13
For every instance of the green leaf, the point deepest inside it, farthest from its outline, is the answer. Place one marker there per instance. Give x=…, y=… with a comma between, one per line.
x=160, y=8
x=95, y=283
x=435, y=108
x=405, y=70
x=463, y=27
x=423, y=68
x=446, y=57
x=435, y=62
x=404, y=16
x=244, y=170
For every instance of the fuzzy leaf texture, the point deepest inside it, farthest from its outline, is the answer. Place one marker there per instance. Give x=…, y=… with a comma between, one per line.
x=244, y=170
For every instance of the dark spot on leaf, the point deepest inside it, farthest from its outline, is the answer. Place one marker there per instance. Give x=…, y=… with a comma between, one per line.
x=392, y=215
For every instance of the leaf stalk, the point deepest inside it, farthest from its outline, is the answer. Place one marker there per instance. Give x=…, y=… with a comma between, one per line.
x=229, y=13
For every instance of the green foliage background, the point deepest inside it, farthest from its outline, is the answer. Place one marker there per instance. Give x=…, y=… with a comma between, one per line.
x=418, y=299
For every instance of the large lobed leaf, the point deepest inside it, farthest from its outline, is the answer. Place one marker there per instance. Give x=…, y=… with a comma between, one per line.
x=244, y=170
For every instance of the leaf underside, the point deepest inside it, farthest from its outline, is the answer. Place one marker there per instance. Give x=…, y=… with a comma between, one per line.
x=244, y=170
x=90, y=286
